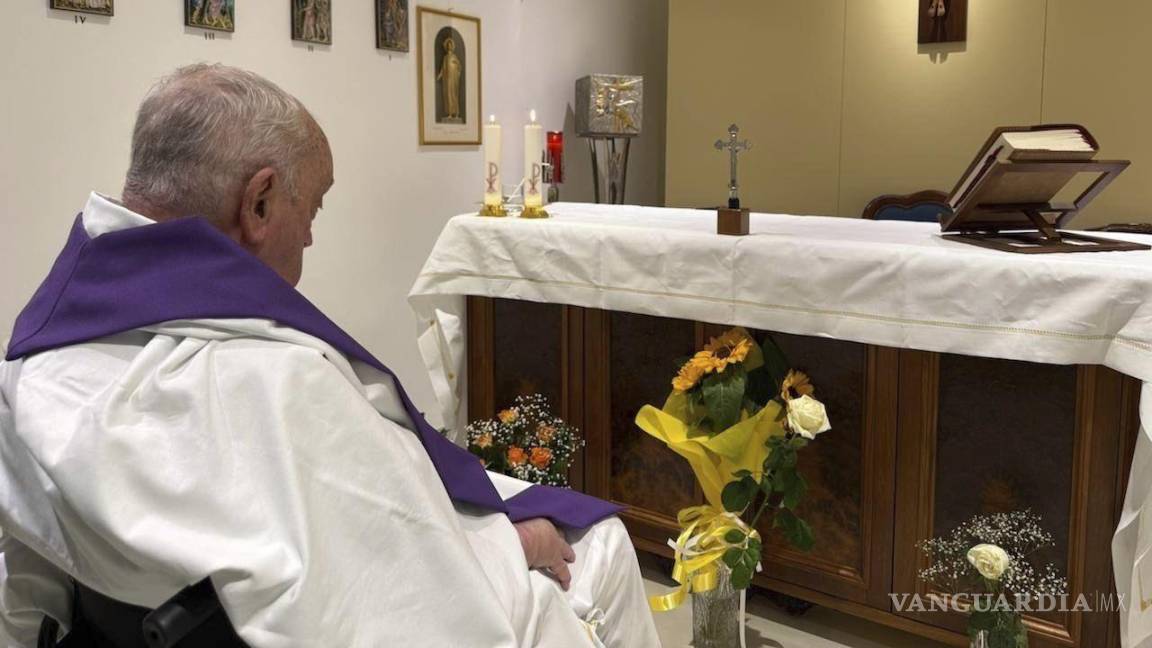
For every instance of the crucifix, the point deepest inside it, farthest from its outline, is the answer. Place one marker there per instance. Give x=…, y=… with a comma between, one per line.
x=732, y=220
x=733, y=146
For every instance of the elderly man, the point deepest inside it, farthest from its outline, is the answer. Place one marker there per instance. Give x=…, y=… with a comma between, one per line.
x=171, y=409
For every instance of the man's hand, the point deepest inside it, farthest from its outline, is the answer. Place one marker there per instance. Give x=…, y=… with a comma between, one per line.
x=545, y=548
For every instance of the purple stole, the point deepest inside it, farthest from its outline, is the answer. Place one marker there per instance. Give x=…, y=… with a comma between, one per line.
x=186, y=269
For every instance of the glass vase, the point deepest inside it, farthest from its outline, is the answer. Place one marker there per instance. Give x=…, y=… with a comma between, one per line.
x=716, y=618
x=1016, y=637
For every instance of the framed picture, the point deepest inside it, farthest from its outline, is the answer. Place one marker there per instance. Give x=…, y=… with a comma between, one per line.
x=211, y=14
x=312, y=21
x=392, y=25
x=448, y=67
x=101, y=7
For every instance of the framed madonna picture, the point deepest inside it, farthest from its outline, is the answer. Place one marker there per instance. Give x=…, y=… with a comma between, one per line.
x=448, y=69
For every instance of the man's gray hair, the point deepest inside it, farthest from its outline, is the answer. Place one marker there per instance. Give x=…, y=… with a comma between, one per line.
x=205, y=130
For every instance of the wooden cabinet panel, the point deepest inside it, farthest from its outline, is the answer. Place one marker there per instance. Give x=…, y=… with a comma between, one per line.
x=643, y=352
x=984, y=435
x=635, y=358
x=848, y=470
x=527, y=339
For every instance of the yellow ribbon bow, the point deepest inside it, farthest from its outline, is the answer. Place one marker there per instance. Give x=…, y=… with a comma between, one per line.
x=699, y=550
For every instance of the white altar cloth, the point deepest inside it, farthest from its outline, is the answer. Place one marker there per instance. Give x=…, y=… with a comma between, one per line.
x=886, y=283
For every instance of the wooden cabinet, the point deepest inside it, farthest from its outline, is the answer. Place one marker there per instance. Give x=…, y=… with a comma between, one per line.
x=920, y=442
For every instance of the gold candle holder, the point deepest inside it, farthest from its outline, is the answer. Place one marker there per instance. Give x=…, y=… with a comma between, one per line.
x=534, y=212
x=496, y=211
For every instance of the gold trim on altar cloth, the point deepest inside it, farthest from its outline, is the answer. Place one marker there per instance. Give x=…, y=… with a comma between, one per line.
x=988, y=328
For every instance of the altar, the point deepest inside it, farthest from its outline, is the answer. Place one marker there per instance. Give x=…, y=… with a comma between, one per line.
x=959, y=380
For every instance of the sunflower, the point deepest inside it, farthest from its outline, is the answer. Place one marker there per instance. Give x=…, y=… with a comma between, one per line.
x=541, y=457
x=689, y=375
x=731, y=348
x=517, y=456
x=795, y=385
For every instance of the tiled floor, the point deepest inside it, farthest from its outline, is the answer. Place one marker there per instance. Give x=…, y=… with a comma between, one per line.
x=769, y=627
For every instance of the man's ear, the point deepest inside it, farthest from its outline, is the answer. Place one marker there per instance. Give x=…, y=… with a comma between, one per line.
x=254, y=207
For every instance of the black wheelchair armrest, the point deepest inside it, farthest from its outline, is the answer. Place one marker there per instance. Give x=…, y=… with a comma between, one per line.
x=181, y=615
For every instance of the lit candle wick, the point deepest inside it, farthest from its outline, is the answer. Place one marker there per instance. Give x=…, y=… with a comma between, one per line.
x=532, y=116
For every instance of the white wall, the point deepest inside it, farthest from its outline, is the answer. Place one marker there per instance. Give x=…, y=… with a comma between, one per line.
x=68, y=93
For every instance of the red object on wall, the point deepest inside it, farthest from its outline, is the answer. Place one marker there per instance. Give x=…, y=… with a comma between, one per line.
x=556, y=155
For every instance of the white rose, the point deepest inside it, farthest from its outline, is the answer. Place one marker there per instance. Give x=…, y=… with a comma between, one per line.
x=806, y=417
x=988, y=559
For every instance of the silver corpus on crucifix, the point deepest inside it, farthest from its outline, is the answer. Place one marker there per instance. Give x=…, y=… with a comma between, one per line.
x=733, y=146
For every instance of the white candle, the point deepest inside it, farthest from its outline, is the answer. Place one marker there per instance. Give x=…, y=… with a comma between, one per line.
x=492, y=191
x=533, y=155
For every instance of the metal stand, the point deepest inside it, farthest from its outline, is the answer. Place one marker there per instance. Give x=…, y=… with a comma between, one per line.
x=609, y=168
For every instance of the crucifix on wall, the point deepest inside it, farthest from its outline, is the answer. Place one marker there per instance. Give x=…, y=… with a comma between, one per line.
x=942, y=21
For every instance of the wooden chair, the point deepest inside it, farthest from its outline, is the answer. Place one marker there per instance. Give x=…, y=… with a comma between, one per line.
x=920, y=207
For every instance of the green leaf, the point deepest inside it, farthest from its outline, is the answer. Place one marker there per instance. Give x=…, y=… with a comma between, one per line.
x=741, y=577
x=1001, y=637
x=733, y=557
x=741, y=474
x=784, y=480
x=760, y=389
x=795, y=530
x=774, y=361
x=794, y=495
x=980, y=620
x=734, y=536
x=754, y=546
x=723, y=394
x=804, y=540
x=736, y=496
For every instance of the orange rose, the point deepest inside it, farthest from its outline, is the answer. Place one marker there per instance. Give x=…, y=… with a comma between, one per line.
x=544, y=433
x=483, y=441
x=516, y=456
x=508, y=416
x=541, y=457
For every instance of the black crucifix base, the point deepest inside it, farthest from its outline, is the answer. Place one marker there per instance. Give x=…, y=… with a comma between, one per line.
x=732, y=221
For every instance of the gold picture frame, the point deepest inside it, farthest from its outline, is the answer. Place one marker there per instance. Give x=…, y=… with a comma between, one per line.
x=98, y=7
x=448, y=71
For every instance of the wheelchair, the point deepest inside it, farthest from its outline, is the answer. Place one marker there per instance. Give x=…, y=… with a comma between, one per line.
x=191, y=618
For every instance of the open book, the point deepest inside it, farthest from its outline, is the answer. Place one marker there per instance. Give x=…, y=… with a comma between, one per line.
x=1050, y=142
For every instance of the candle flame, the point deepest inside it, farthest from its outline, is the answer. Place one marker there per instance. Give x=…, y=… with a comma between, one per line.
x=532, y=115
x=491, y=119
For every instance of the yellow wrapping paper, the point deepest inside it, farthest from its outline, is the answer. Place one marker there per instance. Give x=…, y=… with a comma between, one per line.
x=714, y=460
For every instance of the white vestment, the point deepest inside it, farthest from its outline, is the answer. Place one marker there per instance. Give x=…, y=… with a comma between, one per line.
x=259, y=456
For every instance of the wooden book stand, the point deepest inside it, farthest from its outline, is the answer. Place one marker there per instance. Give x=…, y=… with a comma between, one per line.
x=1031, y=224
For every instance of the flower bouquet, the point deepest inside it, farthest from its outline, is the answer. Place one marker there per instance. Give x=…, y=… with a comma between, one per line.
x=739, y=415
x=526, y=441
x=986, y=560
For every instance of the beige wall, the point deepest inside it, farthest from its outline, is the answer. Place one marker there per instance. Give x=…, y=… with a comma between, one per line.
x=842, y=105
x=68, y=93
